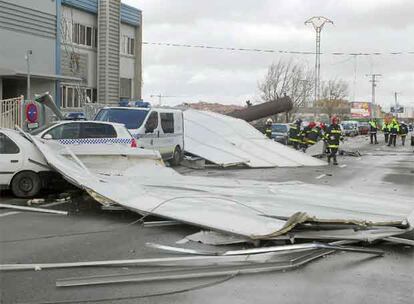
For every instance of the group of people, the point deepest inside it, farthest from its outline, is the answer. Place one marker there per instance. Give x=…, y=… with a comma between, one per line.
x=391, y=129
x=301, y=139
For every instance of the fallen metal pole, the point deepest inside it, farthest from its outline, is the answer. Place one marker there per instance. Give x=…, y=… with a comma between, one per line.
x=265, y=109
x=8, y=206
x=287, y=248
x=194, y=273
x=170, y=261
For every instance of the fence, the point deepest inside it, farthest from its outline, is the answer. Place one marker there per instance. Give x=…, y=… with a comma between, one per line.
x=11, y=112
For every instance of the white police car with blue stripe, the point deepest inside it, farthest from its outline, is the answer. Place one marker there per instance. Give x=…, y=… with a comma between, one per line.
x=83, y=136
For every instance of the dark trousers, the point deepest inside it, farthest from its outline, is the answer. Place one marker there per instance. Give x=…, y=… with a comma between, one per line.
x=393, y=139
x=373, y=136
x=332, y=154
x=386, y=137
x=403, y=139
x=296, y=145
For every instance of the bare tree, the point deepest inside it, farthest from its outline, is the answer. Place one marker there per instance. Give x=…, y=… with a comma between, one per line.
x=333, y=96
x=286, y=78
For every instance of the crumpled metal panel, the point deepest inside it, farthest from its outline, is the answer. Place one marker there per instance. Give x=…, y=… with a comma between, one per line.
x=254, y=209
x=227, y=141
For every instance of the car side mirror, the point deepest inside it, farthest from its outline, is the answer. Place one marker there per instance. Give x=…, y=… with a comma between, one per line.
x=47, y=136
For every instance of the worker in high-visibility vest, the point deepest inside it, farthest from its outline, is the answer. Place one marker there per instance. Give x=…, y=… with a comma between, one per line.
x=373, y=128
x=394, y=130
x=386, y=130
x=294, y=134
x=268, y=128
x=333, y=136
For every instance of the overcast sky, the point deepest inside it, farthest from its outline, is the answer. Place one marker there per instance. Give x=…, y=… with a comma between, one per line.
x=231, y=77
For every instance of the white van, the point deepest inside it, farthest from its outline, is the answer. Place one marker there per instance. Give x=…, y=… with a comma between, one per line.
x=160, y=129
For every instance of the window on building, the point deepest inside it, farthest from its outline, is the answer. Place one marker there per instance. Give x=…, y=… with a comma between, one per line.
x=75, y=33
x=94, y=95
x=7, y=146
x=89, y=36
x=167, y=122
x=95, y=41
x=131, y=46
x=84, y=35
x=127, y=45
x=75, y=97
x=125, y=87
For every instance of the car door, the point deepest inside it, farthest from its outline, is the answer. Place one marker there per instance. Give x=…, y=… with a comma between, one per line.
x=11, y=159
x=167, y=137
x=149, y=139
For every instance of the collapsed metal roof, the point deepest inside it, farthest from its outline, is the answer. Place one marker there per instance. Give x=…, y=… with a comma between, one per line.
x=253, y=209
x=228, y=141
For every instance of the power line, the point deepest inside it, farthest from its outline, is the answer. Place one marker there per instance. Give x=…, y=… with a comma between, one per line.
x=237, y=49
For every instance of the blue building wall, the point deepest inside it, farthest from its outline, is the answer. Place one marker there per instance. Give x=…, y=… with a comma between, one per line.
x=129, y=14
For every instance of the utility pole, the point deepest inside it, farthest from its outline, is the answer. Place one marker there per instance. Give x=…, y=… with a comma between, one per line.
x=27, y=57
x=396, y=104
x=318, y=22
x=160, y=96
x=373, y=85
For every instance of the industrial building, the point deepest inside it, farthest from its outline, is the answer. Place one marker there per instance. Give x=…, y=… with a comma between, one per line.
x=72, y=48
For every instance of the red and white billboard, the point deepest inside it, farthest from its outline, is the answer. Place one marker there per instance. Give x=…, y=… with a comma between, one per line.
x=360, y=110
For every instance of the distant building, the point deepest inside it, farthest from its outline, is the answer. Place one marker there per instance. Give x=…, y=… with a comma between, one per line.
x=213, y=107
x=80, y=48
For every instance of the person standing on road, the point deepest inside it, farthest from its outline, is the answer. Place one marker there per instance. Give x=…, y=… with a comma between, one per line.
x=403, y=132
x=268, y=128
x=386, y=130
x=373, y=131
x=303, y=135
x=394, y=130
x=294, y=134
x=333, y=136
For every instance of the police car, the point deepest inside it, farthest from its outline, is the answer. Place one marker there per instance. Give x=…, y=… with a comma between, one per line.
x=22, y=167
x=87, y=136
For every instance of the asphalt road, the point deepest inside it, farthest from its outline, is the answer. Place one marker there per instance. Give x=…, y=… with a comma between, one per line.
x=89, y=233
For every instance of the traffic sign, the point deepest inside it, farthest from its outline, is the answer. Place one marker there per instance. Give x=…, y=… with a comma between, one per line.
x=31, y=112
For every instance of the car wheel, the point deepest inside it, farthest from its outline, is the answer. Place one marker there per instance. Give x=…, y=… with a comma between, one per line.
x=176, y=159
x=26, y=184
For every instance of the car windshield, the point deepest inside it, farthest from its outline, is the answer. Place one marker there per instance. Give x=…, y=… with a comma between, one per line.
x=42, y=128
x=279, y=128
x=131, y=118
x=348, y=126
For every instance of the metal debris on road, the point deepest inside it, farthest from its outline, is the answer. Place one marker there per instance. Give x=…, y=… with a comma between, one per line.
x=32, y=209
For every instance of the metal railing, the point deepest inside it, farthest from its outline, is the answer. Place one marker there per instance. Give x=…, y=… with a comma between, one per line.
x=11, y=112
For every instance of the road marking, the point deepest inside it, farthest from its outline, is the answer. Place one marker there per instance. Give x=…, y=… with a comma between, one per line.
x=320, y=176
x=9, y=213
x=342, y=166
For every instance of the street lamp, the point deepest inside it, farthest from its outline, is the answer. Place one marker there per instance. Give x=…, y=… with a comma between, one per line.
x=27, y=57
x=318, y=22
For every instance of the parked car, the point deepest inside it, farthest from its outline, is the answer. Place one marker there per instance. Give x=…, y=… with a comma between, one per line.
x=22, y=167
x=82, y=136
x=363, y=128
x=160, y=129
x=280, y=132
x=350, y=128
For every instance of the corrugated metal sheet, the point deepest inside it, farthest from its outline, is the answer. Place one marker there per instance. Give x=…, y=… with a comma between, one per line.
x=254, y=209
x=228, y=141
x=22, y=19
x=129, y=14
